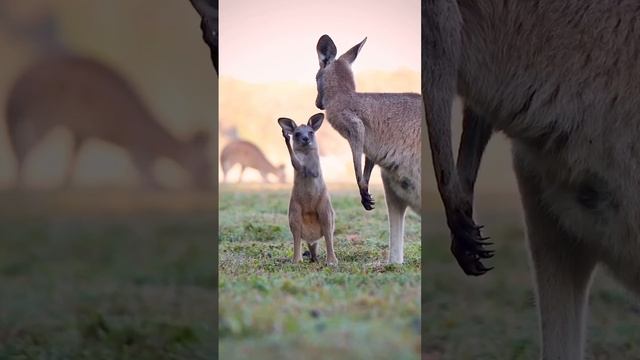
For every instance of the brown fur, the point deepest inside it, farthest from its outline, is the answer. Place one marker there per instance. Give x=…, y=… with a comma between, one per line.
x=91, y=100
x=385, y=127
x=311, y=215
x=248, y=155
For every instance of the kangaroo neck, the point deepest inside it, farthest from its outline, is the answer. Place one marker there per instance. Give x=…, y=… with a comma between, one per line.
x=335, y=97
x=310, y=161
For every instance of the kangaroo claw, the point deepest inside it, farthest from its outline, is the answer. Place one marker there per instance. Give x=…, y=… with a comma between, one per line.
x=367, y=200
x=468, y=245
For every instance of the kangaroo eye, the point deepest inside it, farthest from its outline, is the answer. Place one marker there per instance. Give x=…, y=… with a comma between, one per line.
x=310, y=133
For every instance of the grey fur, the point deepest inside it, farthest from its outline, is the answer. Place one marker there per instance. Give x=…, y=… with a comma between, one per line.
x=561, y=79
x=385, y=127
x=311, y=215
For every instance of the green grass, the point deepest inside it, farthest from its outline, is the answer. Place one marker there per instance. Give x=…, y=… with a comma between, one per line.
x=94, y=275
x=270, y=308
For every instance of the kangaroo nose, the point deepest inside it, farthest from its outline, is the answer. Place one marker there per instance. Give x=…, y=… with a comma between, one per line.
x=305, y=139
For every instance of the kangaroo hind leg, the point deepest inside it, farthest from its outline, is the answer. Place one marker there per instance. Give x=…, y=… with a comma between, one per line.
x=563, y=267
x=396, y=208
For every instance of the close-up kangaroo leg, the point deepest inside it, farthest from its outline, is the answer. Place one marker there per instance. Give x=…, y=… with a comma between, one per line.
x=562, y=270
x=325, y=214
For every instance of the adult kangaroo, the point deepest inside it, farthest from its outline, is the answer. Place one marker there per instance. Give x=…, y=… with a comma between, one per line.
x=93, y=101
x=561, y=79
x=385, y=127
x=248, y=155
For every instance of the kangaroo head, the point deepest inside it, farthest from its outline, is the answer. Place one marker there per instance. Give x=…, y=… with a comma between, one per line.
x=334, y=75
x=303, y=135
x=198, y=162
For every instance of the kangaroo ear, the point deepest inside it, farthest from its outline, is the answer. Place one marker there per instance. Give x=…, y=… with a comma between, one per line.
x=351, y=55
x=326, y=50
x=287, y=125
x=315, y=121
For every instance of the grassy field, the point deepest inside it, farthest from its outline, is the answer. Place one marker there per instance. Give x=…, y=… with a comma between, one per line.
x=95, y=275
x=270, y=308
x=107, y=275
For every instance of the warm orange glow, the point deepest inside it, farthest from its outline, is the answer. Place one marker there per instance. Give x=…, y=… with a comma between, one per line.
x=268, y=64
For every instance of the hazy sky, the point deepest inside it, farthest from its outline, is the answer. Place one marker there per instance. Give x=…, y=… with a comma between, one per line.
x=275, y=40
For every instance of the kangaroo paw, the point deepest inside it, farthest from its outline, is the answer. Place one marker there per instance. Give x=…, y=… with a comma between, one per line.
x=468, y=245
x=367, y=200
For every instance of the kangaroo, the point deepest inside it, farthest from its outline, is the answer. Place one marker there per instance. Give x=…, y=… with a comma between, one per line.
x=385, y=127
x=311, y=215
x=93, y=101
x=561, y=80
x=248, y=156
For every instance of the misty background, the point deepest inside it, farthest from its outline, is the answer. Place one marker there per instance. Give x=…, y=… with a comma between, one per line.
x=158, y=49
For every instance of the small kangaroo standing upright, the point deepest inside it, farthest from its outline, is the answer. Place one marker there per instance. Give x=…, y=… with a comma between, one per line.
x=311, y=215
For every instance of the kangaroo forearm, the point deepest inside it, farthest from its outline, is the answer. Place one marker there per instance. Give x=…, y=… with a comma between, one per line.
x=476, y=132
x=297, y=165
x=439, y=130
x=357, y=164
x=440, y=52
x=295, y=162
x=368, y=167
x=356, y=142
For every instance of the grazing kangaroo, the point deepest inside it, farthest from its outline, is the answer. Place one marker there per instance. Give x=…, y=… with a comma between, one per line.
x=561, y=79
x=93, y=101
x=385, y=127
x=311, y=215
x=248, y=156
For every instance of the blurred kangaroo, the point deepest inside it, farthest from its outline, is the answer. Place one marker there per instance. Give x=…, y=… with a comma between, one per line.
x=248, y=155
x=311, y=215
x=385, y=127
x=93, y=101
x=561, y=79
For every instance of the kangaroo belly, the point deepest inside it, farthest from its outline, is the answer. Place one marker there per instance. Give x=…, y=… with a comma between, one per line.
x=592, y=199
x=311, y=228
